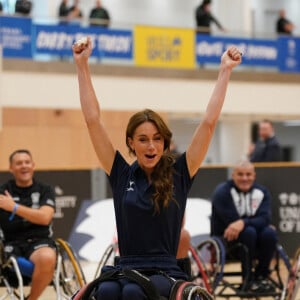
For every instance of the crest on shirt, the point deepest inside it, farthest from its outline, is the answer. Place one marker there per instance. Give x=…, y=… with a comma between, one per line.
x=16, y=199
x=130, y=188
x=35, y=198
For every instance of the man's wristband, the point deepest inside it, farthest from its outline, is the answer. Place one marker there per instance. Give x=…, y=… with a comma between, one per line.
x=11, y=217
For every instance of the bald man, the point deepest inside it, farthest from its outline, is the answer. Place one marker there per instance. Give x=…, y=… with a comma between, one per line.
x=241, y=212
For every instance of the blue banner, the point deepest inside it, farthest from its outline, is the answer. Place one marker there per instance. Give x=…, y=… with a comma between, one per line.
x=255, y=52
x=289, y=54
x=20, y=38
x=107, y=43
x=15, y=36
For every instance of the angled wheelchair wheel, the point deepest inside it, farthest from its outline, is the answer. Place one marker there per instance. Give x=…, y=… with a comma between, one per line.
x=107, y=259
x=12, y=281
x=280, y=270
x=294, y=280
x=7, y=290
x=69, y=275
x=13, y=284
x=198, y=272
x=185, y=290
x=212, y=260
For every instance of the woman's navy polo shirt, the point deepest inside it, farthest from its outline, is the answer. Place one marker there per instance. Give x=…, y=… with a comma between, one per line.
x=141, y=232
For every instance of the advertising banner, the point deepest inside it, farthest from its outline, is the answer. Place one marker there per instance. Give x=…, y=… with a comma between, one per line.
x=147, y=46
x=283, y=185
x=73, y=187
x=58, y=40
x=15, y=37
x=255, y=52
x=164, y=47
x=289, y=54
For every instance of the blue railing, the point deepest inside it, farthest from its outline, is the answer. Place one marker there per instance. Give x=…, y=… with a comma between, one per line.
x=143, y=45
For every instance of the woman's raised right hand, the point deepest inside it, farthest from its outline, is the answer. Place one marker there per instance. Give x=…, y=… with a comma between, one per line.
x=82, y=49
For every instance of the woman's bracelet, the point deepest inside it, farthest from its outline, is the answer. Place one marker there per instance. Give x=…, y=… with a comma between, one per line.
x=11, y=217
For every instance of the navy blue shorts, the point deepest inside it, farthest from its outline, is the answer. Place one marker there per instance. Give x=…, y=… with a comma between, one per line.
x=25, y=248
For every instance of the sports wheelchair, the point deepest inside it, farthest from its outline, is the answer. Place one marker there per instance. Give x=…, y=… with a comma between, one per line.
x=294, y=282
x=68, y=276
x=223, y=272
x=181, y=290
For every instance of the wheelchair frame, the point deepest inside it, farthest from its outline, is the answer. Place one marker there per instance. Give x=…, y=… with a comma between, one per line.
x=68, y=275
x=209, y=270
x=108, y=258
x=199, y=269
x=228, y=284
x=294, y=282
x=206, y=263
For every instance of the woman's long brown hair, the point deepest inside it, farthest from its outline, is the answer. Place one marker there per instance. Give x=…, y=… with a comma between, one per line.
x=162, y=175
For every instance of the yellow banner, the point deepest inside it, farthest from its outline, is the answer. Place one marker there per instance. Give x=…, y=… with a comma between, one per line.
x=164, y=47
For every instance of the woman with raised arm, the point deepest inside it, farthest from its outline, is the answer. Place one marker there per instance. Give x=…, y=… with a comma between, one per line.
x=149, y=195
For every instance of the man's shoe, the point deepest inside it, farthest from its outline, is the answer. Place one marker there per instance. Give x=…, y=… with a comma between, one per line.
x=262, y=286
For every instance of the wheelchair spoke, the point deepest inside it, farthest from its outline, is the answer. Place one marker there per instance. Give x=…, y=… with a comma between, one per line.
x=71, y=276
x=107, y=258
x=294, y=282
x=209, y=254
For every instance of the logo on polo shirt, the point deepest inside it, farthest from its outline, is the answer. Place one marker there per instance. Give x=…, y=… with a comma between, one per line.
x=35, y=197
x=130, y=188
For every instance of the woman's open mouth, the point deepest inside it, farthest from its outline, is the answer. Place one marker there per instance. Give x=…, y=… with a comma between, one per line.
x=150, y=156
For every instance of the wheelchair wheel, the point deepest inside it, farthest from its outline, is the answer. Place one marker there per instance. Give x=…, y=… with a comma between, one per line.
x=187, y=290
x=69, y=274
x=198, y=272
x=294, y=280
x=108, y=258
x=12, y=282
x=280, y=270
x=212, y=259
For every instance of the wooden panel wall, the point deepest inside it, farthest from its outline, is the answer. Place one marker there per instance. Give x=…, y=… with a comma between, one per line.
x=58, y=139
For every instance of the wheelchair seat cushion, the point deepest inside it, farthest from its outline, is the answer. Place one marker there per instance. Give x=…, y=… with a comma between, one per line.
x=87, y=291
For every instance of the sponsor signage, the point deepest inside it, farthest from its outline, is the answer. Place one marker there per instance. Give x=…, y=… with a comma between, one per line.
x=144, y=46
x=255, y=52
x=289, y=54
x=107, y=43
x=283, y=185
x=164, y=47
x=16, y=37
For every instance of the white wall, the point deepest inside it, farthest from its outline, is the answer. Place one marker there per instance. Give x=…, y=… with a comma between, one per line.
x=181, y=13
x=244, y=101
x=289, y=136
x=126, y=13
x=130, y=12
x=172, y=95
x=226, y=148
x=183, y=129
x=266, y=14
